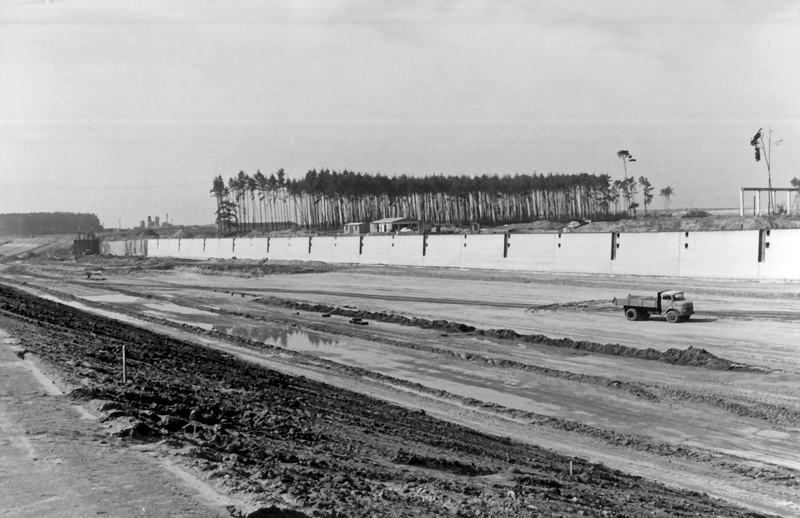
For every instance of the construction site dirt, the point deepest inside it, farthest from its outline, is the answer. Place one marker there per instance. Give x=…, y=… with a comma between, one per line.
x=308, y=390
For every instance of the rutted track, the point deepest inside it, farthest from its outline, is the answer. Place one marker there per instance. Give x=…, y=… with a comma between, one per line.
x=503, y=353
x=317, y=448
x=690, y=356
x=782, y=414
x=736, y=404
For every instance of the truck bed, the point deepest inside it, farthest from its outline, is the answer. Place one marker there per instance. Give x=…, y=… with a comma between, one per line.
x=637, y=301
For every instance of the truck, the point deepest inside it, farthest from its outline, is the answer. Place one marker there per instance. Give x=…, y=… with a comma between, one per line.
x=670, y=303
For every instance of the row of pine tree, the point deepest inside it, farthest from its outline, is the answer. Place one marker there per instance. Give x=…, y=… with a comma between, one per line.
x=327, y=199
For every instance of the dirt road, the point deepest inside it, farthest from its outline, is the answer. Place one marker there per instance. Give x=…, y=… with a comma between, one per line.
x=726, y=426
x=58, y=460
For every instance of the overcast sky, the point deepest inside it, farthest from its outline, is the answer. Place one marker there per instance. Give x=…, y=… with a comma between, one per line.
x=130, y=108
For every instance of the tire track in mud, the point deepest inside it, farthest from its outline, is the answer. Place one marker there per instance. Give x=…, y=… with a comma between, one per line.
x=166, y=403
x=584, y=306
x=602, y=306
x=589, y=306
x=694, y=357
x=781, y=415
x=744, y=467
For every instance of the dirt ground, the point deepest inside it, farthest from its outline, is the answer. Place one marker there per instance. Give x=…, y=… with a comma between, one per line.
x=462, y=392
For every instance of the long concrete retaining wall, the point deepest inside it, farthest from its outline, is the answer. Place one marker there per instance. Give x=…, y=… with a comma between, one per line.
x=662, y=249
x=781, y=255
x=748, y=254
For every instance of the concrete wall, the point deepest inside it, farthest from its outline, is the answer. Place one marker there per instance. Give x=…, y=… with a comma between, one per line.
x=582, y=253
x=161, y=248
x=346, y=249
x=396, y=250
x=207, y=248
x=781, y=255
x=407, y=250
x=725, y=255
x=530, y=252
x=483, y=251
x=646, y=254
x=249, y=248
x=443, y=250
x=136, y=247
x=376, y=249
x=189, y=248
x=322, y=249
x=289, y=248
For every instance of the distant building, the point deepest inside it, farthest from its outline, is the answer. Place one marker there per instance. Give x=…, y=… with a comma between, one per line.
x=387, y=225
x=356, y=229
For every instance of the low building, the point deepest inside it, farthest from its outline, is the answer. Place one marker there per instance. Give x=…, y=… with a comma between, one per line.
x=388, y=225
x=356, y=228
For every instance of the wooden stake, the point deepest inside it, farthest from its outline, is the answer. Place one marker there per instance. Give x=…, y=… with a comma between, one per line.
x=570, y=468
x=124, y=367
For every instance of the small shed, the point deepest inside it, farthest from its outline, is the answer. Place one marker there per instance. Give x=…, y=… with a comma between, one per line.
x=394, y=225
x=356, y=228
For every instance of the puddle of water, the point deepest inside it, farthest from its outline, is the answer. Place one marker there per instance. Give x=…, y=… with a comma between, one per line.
x=293, y=338
x=174, y=308
x=773, y=434
x=117, y=297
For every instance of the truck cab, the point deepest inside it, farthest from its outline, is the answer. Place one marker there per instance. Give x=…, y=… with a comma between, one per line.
x=675, y=301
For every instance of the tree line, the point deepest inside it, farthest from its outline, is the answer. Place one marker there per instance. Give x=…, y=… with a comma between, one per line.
x=43, y=223
x=329, y=199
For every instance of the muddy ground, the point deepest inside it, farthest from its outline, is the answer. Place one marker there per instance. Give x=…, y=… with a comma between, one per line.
x=368, y=426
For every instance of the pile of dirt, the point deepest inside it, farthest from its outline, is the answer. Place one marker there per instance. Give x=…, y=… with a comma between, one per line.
x=254, y=267
x=689, y=357
x=320, y=450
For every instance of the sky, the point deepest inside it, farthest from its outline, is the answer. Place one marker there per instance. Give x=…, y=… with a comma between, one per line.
x=130, y=108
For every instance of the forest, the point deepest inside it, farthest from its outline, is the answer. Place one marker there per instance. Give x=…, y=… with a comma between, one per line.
x=43, y=223
x=327, y=199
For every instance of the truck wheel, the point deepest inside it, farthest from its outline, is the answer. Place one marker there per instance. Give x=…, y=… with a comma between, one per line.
x=672, y=317
x=632, y=314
